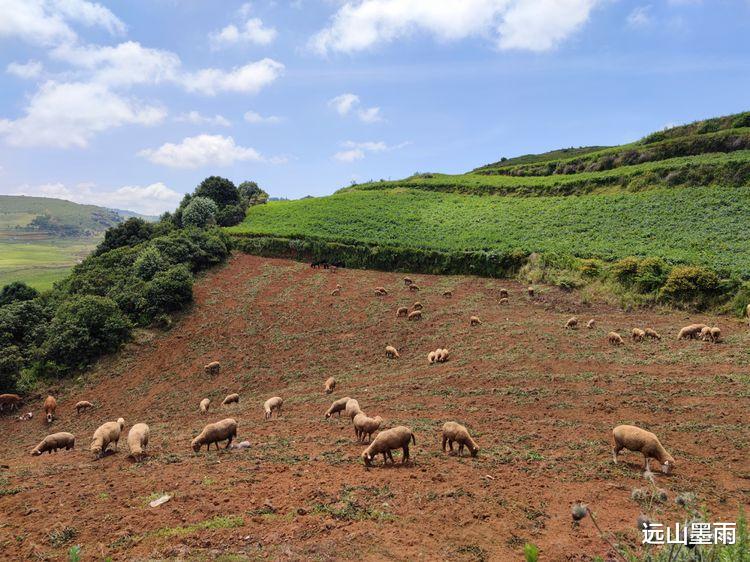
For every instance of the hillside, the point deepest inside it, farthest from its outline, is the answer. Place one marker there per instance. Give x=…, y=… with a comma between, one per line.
x=540, y=400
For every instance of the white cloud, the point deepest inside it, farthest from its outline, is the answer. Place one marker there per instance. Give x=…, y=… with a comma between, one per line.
x=250, y=78
x=196, y=118
x=640, y=16
x=350, y=155
x=31, y=69
x=69, y=114
x=201, y=150
x=536, y=25
x=358, y=150
x=256, y=118
x=151, y=199
x=252, y=31
x=348, y=103
x=45, y=22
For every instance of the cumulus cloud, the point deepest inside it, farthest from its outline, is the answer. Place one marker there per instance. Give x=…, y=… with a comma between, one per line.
x=250, y=78
x=535, y=25
x=28, y=70
x=350, y=103
x=256, y=118
x=354, y=151
x=201, y=150
x=252, y=31
x=196, y=118
x=69, y=114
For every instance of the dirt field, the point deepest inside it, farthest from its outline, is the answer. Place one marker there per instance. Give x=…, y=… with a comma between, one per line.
x=540, y=400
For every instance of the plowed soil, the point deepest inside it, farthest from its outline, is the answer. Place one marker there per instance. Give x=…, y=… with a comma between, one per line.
x=540, y=400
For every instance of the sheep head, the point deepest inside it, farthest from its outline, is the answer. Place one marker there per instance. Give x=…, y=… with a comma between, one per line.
x=667, y=467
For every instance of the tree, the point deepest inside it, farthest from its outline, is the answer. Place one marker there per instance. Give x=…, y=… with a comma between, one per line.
x=251, y=194
x=200, y=212
x=148, y=263
x=129, y=233
x=220, y=190
x=17, y=291
x=230, y=215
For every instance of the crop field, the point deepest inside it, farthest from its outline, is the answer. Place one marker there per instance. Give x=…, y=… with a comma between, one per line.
x=704, y=226
x=540, y=400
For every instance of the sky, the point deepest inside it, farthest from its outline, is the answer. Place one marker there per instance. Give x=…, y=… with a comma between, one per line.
x=129, y=104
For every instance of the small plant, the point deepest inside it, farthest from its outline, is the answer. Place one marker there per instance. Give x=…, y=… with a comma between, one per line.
x=74, y=553
x=531, y=552
x=60, y=537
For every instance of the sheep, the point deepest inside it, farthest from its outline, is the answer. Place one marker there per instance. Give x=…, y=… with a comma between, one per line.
x=330, y=385
x=572, y=323
x=414, y=315
x=53, y=442
x=50, y=405
x=215, y=432
x=414, y=288
x=615, y=339
x=137, y=440
x=747, y=313
x=417, y=306
x=336, y=292
x=402, y=311
x=364, y=425
x=705, y=333
x=504, y=293
x=448, y=294
x=453, y=431
x=231, y=399
x=352, y=408
x=83, y=405
x=653, y=334
x=690, y=332
x=431, y=357
x=338, y=286
x=212, y=368
x=391, y=352
x=638, y=335
x=503, y=301
x=715, y=334
x=12, y=401
x=591, y=324
x=271, y=405
x=204, y=405
x=337, y=407
x=104, y=435
x=380, y=291
x=441, y=355
x=634, y=438
x=394, y=438
x=474, y=321
x=530, y=291
x=408, y=281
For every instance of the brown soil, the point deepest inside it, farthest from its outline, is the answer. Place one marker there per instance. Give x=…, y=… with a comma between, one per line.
x=540, y=400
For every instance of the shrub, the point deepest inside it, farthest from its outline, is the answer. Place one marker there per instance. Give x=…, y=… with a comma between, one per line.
x=148, y=263
x=200, y=212
x=625, y=270
x=168, y=291
x=129, y=233
x=11, y=362
x=220, y=190
x=738, y=304
x=651, y=275
x=17, y=291
x=590, y=268
x=690, y=285
x=230, y=215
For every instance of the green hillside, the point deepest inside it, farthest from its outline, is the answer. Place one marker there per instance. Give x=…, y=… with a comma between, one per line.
x=681, y=195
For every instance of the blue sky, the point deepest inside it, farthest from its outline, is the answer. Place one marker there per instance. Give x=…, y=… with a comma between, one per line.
x=130, y=103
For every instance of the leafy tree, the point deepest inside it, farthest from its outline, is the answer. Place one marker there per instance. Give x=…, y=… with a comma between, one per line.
x=200, y=212
x=230, y=215
x=148, y=263
x=222, y=191
x=168, y=291
x=251, y=194
x=128, y=233
x=17, y=291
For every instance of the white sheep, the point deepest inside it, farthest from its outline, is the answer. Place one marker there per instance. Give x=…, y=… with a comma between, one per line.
x=474, y=321
x=212, y=368
x=330, y=385
x=273, y=405
x=336, y=292
x=391, y=352
x=104, y=435
x=53, y=442
x=380, y=291
x=83, y=405
x=352, y=408
x=415, y=315
x=337, y=407
x=204, y=405
x=432, y=357
x=636, y=439
x=591, y=324
x=364, y=425
x=453, y=431
x=715, y=334
x=138, y=440
x=638, y=335
x=653, y=334
x=414, y=288
x=388, y=440
x=615, y=339
x=402, y=311
x=442, y=355
x=503, y=301
x=572, y=323
x=408, y=281
x=417, y=306
x=231, y=399
x=691, y=332
x=225, y=429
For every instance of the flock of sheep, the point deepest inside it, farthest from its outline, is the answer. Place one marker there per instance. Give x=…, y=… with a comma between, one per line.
x=624, y=436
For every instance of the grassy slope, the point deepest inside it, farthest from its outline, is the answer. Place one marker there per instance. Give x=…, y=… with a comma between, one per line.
x=20, y=210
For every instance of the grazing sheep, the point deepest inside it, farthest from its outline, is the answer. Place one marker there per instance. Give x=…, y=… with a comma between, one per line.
x=385, y=441
x=52, y=443
x=336, y=292
x=432, y=357
x=414, y=288
x=352, y=408
x=705, y=333
x=474, y=321
x=638, y=335
x=137, y=440
x=690, y=332
x=453, y=431
x=615, y=339
x=448, y=294
x=83, y=405
x=271, y=405
x=104, y=435
x=591, y=324
x=417, y=306
x=337, y=407
x=414, y=315
x=330, y=385
x=215, y=432
x=572, y=323
x=50, y=405
x=380, y=291
x=402, y=311
x=338, y=285
x=634, y=438
x=408, y=281
x=204, y=405
x=231, y=399
x=715, y=334
x=530, y=291
x=364, y=425
x=212, y=368
x=441, y=355
x=11, y=401
x=653, y=334
x=504, y=293
x=391, y=352
x=503, y=300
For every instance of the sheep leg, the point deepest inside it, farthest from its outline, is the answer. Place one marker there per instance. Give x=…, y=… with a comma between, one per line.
x=648, y=463
x=450, y=444
x=461, y=450
x=229, y=442
x=615, y=452
x=406, y=454
x=444, y=440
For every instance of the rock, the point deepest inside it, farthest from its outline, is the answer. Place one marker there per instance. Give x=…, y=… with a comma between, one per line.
x=160, y=501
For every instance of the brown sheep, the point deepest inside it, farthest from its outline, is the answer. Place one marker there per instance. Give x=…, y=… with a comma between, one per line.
x=414, y=288
x=83, y=405
x=231, y=399
x=212, y=368
x=225, y=429
x=572, y=323
x=453, y=431
x=530, y=291
x=474, y=321
x=653, y=334
x=402, y=311
x=395, y=438
x=634, y=438
x=414, y=315
x=380, y=291
x=638, y=335
x=330, y=385
x=53, y=442
x=391, y=352
x=271, y=405
x=504, y=293
x=408, y=281
x=364, y=425
x=10, y=401
x=615, y=339
x=337, y=407
x=417, y=306
x=690, y=332
x=137, y=441
x=50, y=405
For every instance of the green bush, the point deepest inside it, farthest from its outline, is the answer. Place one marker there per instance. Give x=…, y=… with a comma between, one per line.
x=220, y=190
x=168, y=291
x=11, y=363
x=17, y=291
x=200, y=212
x=691, y=285
x=738, y=304
x=590, y=268
x=625, y=270
x=148, y=263
x=129, y=233
x=230, y=215
x=651, y=275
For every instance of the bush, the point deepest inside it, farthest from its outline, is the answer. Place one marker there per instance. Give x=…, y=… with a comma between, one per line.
x=11, y=362
x=17, y=291
x=625, y=270
x=738, y=304
x=220, y=190
x=690, y=285
x=230, y=215
x=651, y=275
x=590, y=268
x=148, y=263
x=168, y=291
x=200, y=212
x=82, y=329
x=129, y=233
